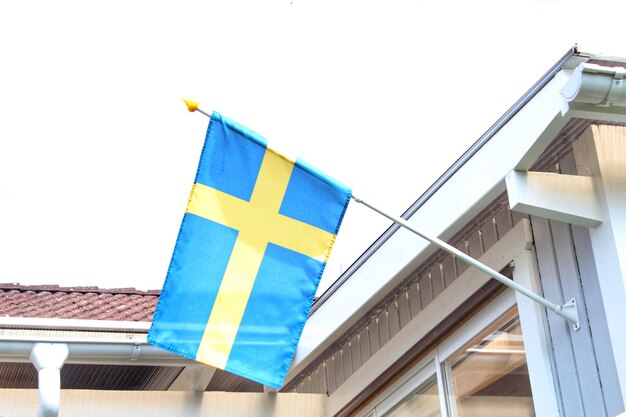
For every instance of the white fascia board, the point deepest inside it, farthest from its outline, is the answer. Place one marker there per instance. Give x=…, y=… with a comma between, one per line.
x=462, y=197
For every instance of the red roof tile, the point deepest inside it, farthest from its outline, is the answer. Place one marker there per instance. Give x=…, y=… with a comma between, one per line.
x=90, y=303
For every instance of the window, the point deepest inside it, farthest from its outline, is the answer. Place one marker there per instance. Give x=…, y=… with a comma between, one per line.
x=478, y=371
x=422, y=402
x=489, y=376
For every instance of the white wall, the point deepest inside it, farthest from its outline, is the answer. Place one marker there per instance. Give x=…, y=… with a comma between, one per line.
x=80, y=403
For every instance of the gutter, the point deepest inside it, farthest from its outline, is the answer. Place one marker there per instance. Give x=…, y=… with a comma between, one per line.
x=88, y=341
x=61, y=341
x=597, y=85
x=95, y=352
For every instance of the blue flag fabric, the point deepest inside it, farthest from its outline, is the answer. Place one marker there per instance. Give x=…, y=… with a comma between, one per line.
x=252, y=246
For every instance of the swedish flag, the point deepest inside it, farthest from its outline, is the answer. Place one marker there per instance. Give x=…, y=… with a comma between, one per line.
x=250, y=253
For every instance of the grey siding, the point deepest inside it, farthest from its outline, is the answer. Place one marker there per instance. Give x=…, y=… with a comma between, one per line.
x=582, y=360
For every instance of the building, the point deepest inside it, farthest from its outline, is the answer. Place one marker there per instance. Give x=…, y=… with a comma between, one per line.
x=408, y=329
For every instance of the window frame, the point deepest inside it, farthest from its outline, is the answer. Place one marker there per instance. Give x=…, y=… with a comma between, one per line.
x=434, y=363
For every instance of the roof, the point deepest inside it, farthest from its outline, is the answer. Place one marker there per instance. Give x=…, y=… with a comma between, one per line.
x=362, y=287
x=88, y=303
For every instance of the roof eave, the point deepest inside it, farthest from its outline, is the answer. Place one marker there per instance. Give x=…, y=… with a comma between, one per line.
x=514, y=142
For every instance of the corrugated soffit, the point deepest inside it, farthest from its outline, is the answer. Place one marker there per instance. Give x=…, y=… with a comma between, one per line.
x=93, y=377
x=225, y=381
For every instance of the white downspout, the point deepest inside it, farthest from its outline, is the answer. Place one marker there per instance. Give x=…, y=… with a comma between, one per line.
x=48, y=359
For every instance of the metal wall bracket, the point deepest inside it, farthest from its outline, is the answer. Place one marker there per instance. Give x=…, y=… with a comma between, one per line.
x=570, y=312
x=135, y=353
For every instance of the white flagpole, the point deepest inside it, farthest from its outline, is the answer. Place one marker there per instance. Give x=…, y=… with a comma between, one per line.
x=568, y=311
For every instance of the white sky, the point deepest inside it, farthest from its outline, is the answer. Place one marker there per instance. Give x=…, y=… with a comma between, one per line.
x=98, y=154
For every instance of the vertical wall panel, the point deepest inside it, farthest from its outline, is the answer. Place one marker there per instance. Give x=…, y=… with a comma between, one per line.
x=436, y=277
x=315, y=385
x=346, y=360
x=449, y=273
x=322, y=378
x=374, y=334
x=338, y=368
x=394, y=319
x=489, y=234
x=475, y=245
x=584, y=352
x=461, y=265
x=503, y=222
x=365, y=344
x=355, y=345
x=330, y=375
x=404, y=309
x=581, y=358
x=415, y=304
x=426, y=290
x=383, y=327
x=597, y=321
x=565, y=362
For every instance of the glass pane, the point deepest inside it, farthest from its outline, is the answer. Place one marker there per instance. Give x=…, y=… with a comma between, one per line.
x=490, y=376
x=423, y=403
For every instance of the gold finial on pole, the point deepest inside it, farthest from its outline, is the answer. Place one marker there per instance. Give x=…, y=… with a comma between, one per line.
x=192, y=106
